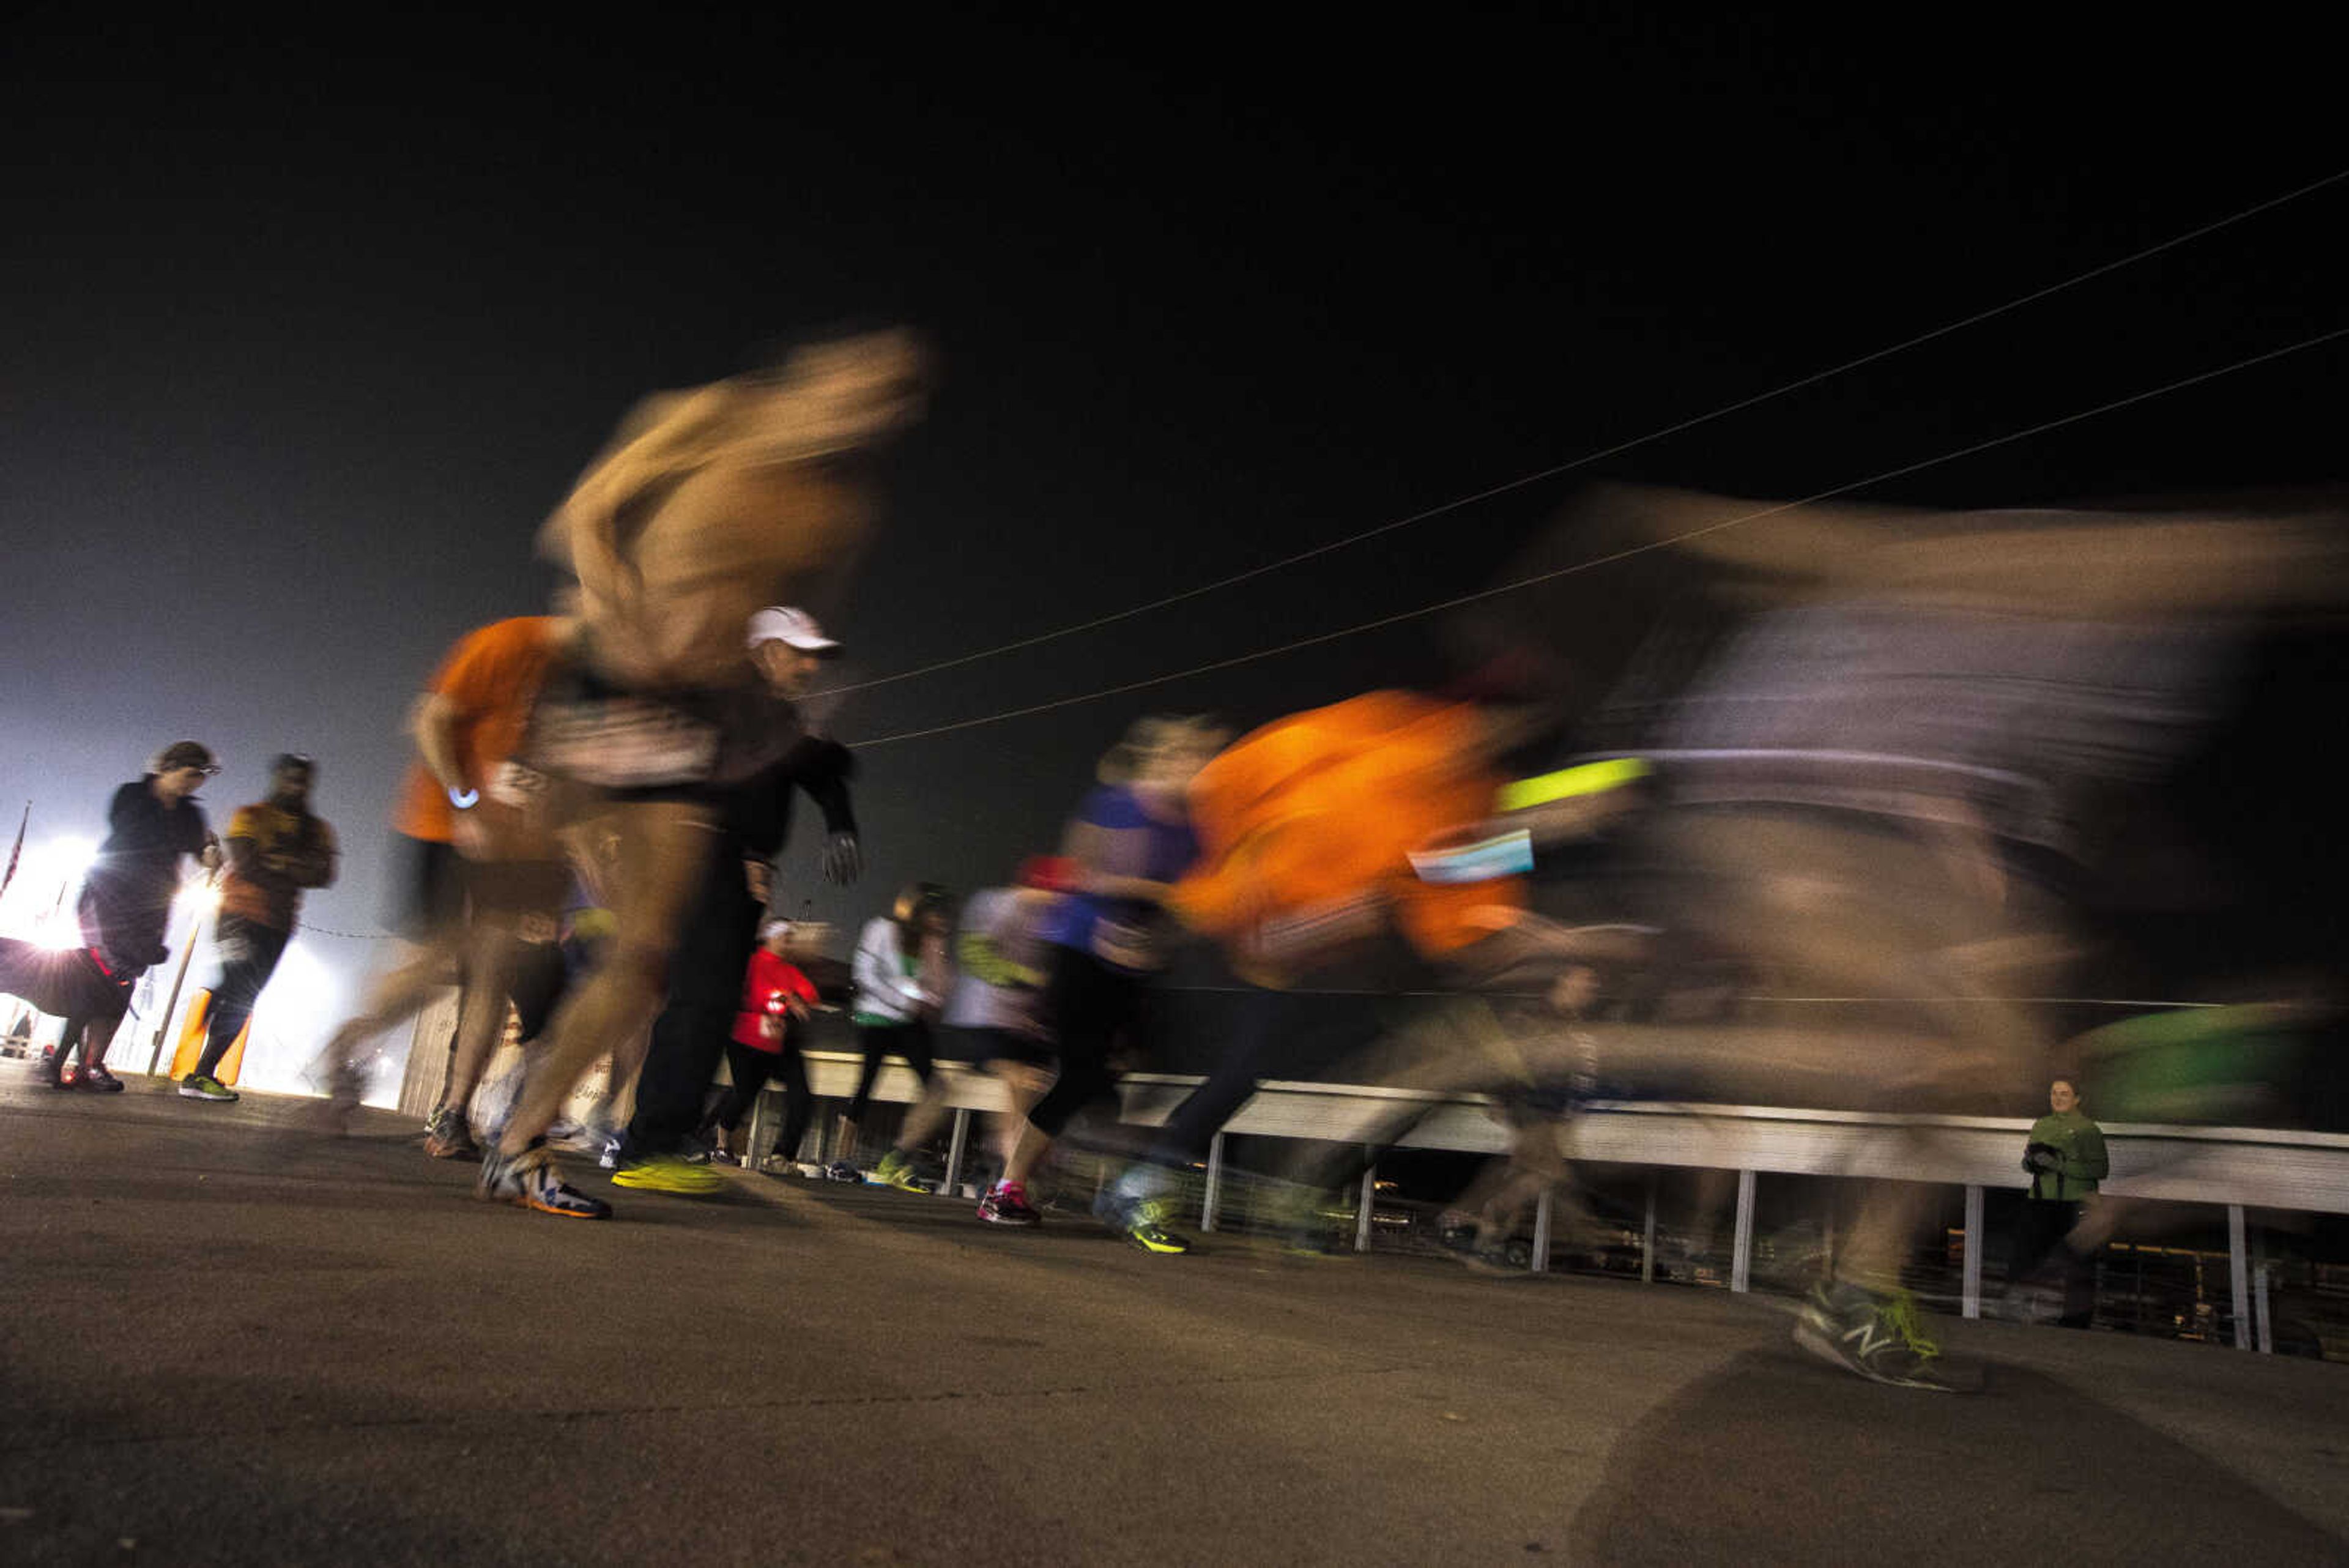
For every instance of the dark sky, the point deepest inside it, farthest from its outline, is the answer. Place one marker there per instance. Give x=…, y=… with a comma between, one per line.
x=306, y=332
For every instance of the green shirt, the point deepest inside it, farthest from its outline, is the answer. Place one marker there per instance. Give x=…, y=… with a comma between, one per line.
x=2084, y=1163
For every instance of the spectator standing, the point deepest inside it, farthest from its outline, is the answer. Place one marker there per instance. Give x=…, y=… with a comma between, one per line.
x=2066, y=1158
x=277, y=849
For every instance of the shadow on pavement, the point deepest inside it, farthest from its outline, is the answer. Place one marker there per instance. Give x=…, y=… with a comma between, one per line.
x=1777, y=1460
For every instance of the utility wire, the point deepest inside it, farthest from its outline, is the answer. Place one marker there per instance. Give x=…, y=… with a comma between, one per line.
x=1587, y=458
x=1457, y=600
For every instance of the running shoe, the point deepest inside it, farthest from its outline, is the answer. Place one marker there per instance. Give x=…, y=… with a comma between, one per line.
x=531, y=1180
x=1493, y=1260
x=1005, y=1203
x=667, y=1173
x=896, y=1170
x=842, y=1170
x=98, y=1078
x=1876, y=1335
x=447, y=1137
x=197, y=1086
x=1141, y=1221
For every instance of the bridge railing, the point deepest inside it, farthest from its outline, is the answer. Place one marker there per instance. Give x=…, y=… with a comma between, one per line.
x=2238, y=1168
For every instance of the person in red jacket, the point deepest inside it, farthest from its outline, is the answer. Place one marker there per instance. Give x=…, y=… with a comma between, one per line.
x=774, y=993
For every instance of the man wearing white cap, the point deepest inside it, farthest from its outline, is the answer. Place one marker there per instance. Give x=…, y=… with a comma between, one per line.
x=719, y=936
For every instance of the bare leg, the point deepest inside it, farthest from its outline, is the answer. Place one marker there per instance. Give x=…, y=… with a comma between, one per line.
x=924, y=1114
x=661, y=849
x=1028, y=1152
x=1025, y=1084
x=426, y=970
x=493, y=954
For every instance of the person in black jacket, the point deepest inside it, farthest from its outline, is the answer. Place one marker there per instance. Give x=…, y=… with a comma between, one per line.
x=715, y=945
x=126, y=898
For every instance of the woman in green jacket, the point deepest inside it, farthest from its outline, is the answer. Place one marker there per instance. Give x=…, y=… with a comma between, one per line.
x=2066, y=1159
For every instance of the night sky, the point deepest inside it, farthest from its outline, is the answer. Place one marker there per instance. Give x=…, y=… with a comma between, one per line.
x=307, y=331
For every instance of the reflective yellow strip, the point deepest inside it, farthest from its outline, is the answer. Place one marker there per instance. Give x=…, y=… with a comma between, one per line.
x=1590, y=778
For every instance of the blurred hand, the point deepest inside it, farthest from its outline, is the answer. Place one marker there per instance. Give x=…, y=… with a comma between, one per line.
x=843, y=859
x=210, y=858
x=759, y=877
x=468, y=833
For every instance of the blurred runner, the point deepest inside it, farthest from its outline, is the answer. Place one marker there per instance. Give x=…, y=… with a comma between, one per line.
x=994, y=1014
x=482, y=874
x=737, y=885
x=902, y=978
x=277, y=850
x=1315, y=831
x=709, y=506
x=776, y=999
x=1127, y=843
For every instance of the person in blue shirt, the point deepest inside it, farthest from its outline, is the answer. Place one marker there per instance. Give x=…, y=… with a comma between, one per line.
x=1129, y=841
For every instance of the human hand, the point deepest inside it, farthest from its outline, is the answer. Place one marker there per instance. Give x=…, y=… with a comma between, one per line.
x=759, y=877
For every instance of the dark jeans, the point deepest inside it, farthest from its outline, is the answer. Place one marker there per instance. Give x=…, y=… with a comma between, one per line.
x=249, y=953
x=1090, y=1003
x=879, y=1042
x=694, y=1028
x=2039, y=1232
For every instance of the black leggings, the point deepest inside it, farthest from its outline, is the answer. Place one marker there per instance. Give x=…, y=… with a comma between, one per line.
x=750, y=1070
x=1089, y=1004
x=880, y=1040
x=249, y=954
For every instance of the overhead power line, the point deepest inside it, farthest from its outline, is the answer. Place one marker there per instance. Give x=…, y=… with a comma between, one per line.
x=1523, y=481
x=1459, y=599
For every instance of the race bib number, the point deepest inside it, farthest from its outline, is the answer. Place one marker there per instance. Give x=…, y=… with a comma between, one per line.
x=627, y=742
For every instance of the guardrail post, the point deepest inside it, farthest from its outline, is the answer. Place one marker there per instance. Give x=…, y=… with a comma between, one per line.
x=955, y=1147
x=1975, y=1247
x=1362, y=1209
x=1541, y=1233
x=747, y=1153
x=1215, y=1183
x=2260, y=1292
x=2240, y=1272
x=1741, y=1257
x=1648, y=1235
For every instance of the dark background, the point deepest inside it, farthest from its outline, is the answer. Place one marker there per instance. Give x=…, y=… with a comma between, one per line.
x=308, y=327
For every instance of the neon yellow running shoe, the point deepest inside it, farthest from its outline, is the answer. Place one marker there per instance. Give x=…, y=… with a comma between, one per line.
x=896, y=1170
x=667, y=1173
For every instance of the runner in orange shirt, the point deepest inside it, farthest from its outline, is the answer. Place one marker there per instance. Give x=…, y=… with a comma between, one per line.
x=472, y=834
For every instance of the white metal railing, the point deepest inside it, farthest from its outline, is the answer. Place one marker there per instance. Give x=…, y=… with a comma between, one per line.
x=2236, y=1167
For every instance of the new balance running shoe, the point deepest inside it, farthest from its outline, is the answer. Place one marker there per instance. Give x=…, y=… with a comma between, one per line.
x=447, y=1137
x=1876, y=1335
x=1005, y=1203
x=896, y=1170
x=531, y=1180
x=667, y=1173
x=197, y=1087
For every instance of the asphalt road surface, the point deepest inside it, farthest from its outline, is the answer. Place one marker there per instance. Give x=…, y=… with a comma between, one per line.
x=226, y=1339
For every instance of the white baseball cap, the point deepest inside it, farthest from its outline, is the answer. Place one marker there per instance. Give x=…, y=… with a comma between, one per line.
x=781, y=623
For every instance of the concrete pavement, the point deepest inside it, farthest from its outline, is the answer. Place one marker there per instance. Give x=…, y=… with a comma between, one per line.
x=225, y=1339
